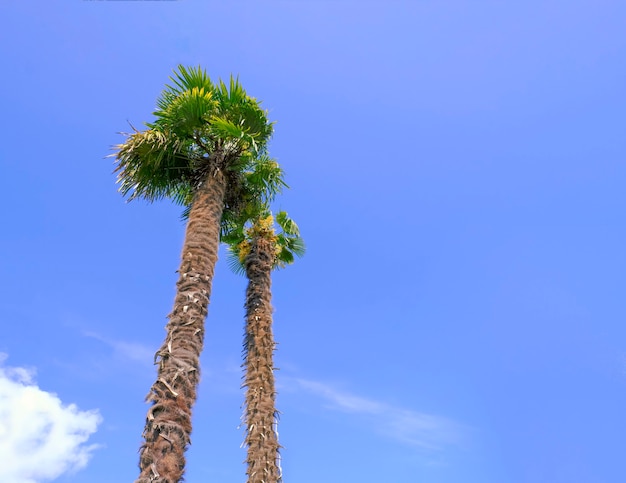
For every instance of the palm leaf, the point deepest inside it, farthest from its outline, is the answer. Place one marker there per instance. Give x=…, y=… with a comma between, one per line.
x=287, y=224
x=151, y=163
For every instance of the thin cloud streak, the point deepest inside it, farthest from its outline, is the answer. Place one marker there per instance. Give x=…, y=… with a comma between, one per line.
x=414, y=428
x=341, y=400
x=127, y=350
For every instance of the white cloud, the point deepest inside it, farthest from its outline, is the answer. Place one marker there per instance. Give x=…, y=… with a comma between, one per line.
x=418, y=429
x=40, y=437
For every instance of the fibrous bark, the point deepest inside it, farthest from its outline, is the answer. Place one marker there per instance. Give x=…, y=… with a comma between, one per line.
x=260, y=415
x=168, y=423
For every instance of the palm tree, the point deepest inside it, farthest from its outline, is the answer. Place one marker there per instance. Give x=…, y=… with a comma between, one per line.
x=257, y=250
x=205, y=141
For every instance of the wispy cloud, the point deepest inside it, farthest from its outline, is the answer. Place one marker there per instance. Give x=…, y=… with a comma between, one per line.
x=128, y=350
x=40, y=437
x=418, y=429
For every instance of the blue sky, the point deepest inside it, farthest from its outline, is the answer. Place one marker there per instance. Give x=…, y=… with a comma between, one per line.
x=457, y=171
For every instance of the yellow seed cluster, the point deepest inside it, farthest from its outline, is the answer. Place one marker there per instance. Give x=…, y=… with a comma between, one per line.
x=265, y=225
x=243, y=249
x=262, y=227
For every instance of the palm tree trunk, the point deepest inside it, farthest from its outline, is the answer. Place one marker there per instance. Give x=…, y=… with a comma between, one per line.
x=260, y=413
x=168, y=423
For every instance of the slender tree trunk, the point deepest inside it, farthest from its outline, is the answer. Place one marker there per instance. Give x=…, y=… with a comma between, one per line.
x=260, y=413
x=168, y=423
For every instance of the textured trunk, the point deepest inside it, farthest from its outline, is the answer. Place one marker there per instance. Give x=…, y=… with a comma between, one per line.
x=260, y=413
x=168, y=423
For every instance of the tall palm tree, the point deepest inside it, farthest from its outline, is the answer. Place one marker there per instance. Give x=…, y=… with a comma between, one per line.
x=197, y=151
x=257, y=250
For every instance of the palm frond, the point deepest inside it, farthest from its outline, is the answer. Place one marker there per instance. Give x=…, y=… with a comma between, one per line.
x=188, y=78
x=234, y=263
x=227, y=129
x=245, y=112
x=266, y=179
x=189, y=113
x=287, y=224
x=152, y=164
x=284, y=257
x=296, y=246
x=289, y=242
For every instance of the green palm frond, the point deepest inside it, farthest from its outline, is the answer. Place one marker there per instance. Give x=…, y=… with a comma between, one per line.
x=226, y=129
x=266, y=179
x=234, y=262
x=289, y=242
x=152, y=164
x=232, y=95
x=190, y=112
x=189, y=77
x=292, y=243
x=184, y=79
x=184, y=103
x=243, y=111
x=287, y=224
x=193, y=105
x=259, y=181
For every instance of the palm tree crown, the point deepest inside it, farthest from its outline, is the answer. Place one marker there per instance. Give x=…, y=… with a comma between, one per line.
x=287, y=243
x=256, y=249
x=195, y=119
x=206, y=149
